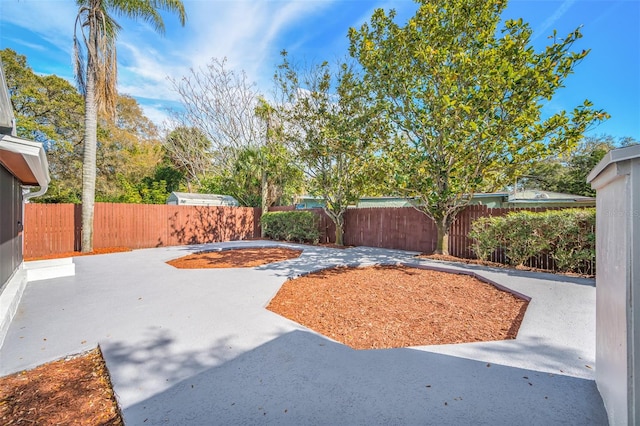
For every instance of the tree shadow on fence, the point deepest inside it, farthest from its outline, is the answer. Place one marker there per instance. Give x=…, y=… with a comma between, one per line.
x=201, y=225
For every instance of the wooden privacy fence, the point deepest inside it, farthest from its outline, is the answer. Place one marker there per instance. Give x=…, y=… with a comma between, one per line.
x=55, y=228
x=408, y=229
x=403, y=228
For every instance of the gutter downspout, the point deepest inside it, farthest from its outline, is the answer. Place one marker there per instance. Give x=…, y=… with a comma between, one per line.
x=29, y=195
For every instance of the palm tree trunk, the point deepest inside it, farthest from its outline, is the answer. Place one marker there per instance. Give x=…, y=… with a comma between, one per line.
x=89, y=161
x=265, y=198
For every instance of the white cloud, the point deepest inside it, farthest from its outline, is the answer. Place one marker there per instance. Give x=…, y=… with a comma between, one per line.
x=53, y=20
x=25, y=43
x=242, y=31
x=541, y=31
x=156, y=113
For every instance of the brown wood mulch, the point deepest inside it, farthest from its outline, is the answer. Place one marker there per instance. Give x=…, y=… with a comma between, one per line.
x=236, y=258
x=105, y=250
x=365, y=308
x=398, y=306
x=74, y=391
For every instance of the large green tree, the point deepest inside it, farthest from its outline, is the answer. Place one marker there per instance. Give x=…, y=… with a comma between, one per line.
x=95, y=40
x=329, y=125
x=567, y=173
x=47, y=108
x=465, y=92
x=50, y=110
x=128, y=149
x=280, y=179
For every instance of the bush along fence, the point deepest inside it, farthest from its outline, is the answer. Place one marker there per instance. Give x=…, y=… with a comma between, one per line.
x=298, y=226
x=560, y=240
x=55, y=228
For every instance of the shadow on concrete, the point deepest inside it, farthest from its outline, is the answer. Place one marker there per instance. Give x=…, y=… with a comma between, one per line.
x=302, y=378
x=532, y=352
x=317, y=258
x=509, y=271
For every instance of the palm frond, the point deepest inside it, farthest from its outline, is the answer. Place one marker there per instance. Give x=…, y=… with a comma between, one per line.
x=99, y=33
x=148, y=10
x=79, y=66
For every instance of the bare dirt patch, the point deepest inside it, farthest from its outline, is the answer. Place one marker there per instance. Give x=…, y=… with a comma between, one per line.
x=75, y=391
x=396, y=306
x=235, y=258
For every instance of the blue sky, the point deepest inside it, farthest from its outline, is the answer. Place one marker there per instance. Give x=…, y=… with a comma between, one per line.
x=252, y=33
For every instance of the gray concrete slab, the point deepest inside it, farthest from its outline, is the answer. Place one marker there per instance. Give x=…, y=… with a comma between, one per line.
x=197, y=347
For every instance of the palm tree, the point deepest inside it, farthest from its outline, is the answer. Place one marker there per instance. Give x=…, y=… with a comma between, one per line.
x=94, y=45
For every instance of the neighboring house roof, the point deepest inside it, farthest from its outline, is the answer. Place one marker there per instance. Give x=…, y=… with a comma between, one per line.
x=529, y=197
x=194, y=198
x=537, y=195
x=490, y=194
x=388, y=201
x=23, y=158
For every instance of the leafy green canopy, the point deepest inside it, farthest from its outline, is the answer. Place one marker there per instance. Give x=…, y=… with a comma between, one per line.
x=466, y=98
x=331, y=128
x=568, y=173
x=47, y=108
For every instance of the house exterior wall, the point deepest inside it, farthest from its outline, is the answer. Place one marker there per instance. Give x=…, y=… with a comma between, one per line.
x=618, y=285
x=10, y=217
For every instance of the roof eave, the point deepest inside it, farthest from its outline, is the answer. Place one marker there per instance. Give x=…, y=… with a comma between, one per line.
x=34, y=157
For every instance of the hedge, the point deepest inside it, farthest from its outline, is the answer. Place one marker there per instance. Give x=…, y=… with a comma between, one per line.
x=567, y=236
x=298, y=226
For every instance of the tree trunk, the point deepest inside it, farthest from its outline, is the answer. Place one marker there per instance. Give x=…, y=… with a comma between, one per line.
x=442, y=243
x=339, y=222
x=89, y=161
x=265, y=199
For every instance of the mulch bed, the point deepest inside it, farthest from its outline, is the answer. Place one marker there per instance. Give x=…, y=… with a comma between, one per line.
x=75, y=391
x=398, y=306
x=79, y=253
x=236, y=258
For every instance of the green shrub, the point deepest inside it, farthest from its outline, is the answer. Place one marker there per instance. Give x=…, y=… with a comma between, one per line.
x=298, y=226
x=567, y=236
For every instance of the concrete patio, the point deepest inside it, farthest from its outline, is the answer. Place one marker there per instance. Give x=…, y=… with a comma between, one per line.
x=197, y=347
